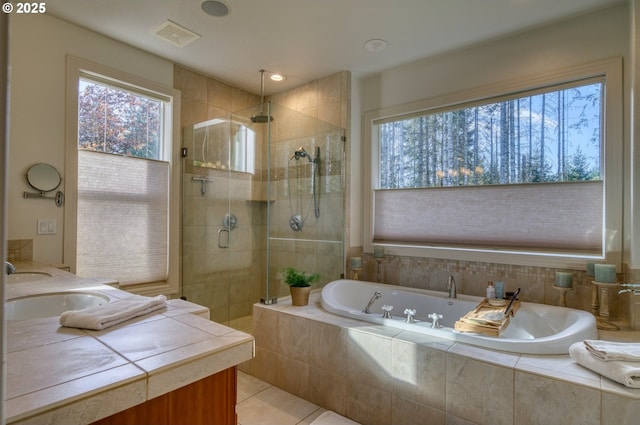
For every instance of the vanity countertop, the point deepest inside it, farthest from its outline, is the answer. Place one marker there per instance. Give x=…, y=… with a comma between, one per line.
x=69, y=376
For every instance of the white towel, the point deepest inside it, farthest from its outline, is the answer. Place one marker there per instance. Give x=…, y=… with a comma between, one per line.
x=609, y=350
x=626, y=373
x=104, y=316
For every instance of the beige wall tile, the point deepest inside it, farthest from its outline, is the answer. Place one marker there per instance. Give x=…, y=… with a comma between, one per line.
x=408, y=412
x=293, y=376
x=193, y=86
x=368, y=405
x=293, y=336
x=328, y=347
x=419, y=374
x=328, y=389
x=541, y=401
x=619, y=410
x=479, y=392
x=219, y=94
x=369, y=359
x=265, y=328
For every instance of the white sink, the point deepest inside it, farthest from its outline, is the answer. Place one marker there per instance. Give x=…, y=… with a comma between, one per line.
x=19, y=277
x=49, y=305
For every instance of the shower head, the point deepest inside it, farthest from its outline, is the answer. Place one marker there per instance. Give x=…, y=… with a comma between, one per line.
x=261, y=118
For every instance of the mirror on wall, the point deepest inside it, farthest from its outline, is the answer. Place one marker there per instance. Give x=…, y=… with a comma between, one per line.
x=44, y=178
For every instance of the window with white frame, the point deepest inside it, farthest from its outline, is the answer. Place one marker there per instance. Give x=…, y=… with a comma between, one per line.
x=125, y=178
x=519, y=172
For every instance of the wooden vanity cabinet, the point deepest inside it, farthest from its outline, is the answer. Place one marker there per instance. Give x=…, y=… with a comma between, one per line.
x=209, y=401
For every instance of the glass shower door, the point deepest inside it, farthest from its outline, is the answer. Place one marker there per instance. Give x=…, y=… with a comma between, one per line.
x=242, y=185
x=216, y=256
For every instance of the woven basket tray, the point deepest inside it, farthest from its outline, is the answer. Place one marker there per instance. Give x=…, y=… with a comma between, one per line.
x=480, y=319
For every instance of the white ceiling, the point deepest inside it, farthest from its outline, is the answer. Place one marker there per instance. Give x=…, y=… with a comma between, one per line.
x=309, y=39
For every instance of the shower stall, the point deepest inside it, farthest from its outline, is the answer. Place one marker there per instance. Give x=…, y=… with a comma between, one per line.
x=263, y=189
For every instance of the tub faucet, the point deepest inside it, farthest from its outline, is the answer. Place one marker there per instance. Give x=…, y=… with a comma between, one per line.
x=451, y=286
x=373, y=299
x=10, y=267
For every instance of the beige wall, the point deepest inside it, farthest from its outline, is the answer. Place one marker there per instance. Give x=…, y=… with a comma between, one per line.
x=38, y=46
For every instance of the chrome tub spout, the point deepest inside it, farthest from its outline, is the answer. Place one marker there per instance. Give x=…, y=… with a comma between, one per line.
x=373, y=299
x=451, y=287
x=10, y=267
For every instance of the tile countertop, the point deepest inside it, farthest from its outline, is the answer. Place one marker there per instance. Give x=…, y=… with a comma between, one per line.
x=70, y=376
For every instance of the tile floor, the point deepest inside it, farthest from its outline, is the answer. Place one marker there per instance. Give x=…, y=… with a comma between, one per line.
x=260, y=403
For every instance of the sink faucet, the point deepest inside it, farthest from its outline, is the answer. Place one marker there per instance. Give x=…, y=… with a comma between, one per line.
x=451, y=286
x=373, y=299
x=10, y=267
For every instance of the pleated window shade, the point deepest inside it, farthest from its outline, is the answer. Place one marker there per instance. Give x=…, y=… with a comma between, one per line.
x=123, y=225
x=542, y=216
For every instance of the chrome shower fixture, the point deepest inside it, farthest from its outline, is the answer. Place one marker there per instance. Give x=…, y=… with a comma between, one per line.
x=298, y=217
x=301, y=153
x=261, y=118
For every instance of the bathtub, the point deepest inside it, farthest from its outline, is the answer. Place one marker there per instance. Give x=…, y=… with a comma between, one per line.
x=535, y=329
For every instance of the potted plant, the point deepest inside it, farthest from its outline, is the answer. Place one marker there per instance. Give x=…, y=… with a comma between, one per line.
x=299, y=284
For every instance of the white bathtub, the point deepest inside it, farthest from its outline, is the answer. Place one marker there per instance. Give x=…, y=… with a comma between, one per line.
x=535, y=329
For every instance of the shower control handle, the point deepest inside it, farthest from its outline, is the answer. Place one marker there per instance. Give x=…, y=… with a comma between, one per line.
x=220, y=241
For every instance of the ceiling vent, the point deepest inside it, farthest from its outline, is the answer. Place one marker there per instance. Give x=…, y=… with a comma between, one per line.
x=174, y=33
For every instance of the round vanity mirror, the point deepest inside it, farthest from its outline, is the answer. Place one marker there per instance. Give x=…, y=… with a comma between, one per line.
x=43, y=177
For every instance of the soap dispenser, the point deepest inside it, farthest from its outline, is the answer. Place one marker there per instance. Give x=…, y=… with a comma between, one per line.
x=491, y=291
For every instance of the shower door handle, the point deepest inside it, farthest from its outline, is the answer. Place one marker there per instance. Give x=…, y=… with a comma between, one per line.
x=220, y=241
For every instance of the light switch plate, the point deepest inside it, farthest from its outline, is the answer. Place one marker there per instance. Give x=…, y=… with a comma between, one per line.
x=46, y=226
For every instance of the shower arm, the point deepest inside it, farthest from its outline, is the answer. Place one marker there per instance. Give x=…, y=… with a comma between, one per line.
x=261, y=91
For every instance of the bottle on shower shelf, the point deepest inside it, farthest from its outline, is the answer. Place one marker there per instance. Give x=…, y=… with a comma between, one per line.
x=491, y=291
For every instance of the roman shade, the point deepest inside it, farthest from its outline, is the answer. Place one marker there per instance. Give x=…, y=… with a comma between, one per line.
x=127, y=200
x=541, y=216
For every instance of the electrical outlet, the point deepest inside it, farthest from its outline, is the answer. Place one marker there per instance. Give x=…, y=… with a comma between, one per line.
x=46, y=226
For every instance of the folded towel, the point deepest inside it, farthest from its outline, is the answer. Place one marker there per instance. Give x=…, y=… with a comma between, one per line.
x=626, y=373
x=608, y=350
x=104, y=316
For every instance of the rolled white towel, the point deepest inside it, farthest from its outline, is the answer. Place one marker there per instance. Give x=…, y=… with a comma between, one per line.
x=609, y=350
x=104, y=316
x=626, y=373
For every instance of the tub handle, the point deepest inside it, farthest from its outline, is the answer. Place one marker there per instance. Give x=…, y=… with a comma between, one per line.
x=435, y=324
x=387, y=311
x=410, y=312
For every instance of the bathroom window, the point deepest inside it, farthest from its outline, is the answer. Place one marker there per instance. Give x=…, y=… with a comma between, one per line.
x=117, y=120
x=126, y=182
x=553, y=135
x=520, y=172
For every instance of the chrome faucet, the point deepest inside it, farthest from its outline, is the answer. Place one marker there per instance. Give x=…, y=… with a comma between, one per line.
x=10, y=267
x=373, y=299
x=451, y=287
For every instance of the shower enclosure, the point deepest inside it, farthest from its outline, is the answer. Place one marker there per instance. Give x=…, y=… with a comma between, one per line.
x=263, y=189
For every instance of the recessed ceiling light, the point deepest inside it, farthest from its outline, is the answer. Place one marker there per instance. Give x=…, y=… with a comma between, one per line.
x=215, y=8
x=277, y=77
x=375, y=45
